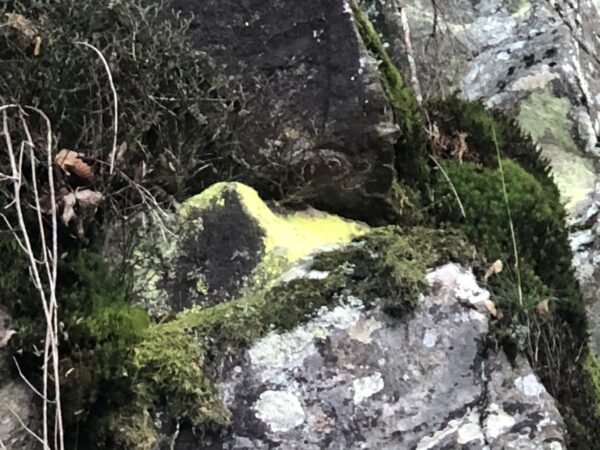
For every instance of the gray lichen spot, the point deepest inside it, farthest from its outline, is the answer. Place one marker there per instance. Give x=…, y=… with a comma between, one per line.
x=280, y=410
x=529, y=385
x=367, y=386
x=498, y=422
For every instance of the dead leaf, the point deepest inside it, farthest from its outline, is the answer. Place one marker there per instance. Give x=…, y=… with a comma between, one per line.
x=543, y=307
x=68, y=202
x=22, y=25
x=495, y=268
x=87, y=197
x=490, y=307
x=460, y=145
x=37, y=45
x=71, y=162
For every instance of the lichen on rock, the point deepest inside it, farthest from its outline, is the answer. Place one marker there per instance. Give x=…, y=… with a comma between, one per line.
x=230, y=243
x=177, y=359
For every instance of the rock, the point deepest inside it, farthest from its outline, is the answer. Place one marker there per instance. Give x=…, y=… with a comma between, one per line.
x=229, y=243
x=313, y=108
x=17, y=403
x=537, y=59
x=352, y=377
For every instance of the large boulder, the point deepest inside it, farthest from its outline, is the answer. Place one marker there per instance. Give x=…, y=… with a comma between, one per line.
x=313, y=108
x=228, y=243
x=536, y=59
x=353, y=377
x=347, y=342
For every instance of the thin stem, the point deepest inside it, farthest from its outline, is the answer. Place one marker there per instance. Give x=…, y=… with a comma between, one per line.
x=510, y=221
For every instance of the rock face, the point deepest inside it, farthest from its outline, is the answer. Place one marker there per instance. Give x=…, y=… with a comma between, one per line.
x=229, y=243
x=16, y=400
x=354, y=378
x=537, y=59
x=314, y=108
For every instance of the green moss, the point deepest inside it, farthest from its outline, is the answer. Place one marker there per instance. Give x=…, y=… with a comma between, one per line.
x=386, y=265
x=591, y=370
x=537, y=215
x=580, y=401
x=166, y=366
x=455, y=115
x=132, y=430
x=411, y=154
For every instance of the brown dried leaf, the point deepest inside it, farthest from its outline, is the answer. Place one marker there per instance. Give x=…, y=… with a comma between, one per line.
x=71, y=162
x=495, y=268
x=491, y=308
x=37, y=45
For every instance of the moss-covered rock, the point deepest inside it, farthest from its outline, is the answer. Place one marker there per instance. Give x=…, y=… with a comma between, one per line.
x=230, y=243
x=384, y=267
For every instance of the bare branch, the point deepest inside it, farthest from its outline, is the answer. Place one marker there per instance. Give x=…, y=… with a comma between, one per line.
x=115, y=102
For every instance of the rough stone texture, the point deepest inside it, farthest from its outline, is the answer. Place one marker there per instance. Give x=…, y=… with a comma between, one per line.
x=537, y=59
x=227, y=242
x=313, y=103
x=354, y=378
x=15, y=398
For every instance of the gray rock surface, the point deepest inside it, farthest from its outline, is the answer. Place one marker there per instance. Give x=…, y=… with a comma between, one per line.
x=313, y=106
x=538, y=59
x=353, y=378
x=17, y=403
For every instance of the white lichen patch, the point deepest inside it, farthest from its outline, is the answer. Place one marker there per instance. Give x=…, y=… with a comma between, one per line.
x=367, y=386
x=470, y=431
x=464, y=284
x=497, y=422
x=430, y=339
x=535, y=81
x=281, y=411
x=363, y=330
x=277, y=352
x=529, y=385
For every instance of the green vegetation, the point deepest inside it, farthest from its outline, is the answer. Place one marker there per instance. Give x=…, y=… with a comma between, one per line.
x=542, y=312
x=172, y=121
x=537, y=214
x=119, y=371
x=455, y=115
